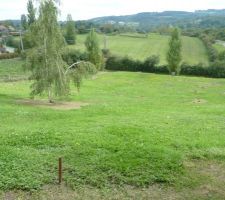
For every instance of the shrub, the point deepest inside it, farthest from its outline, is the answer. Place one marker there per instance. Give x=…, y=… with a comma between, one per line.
x=194, y=70
x=106, y=53
x=71, y=56
x=123, y=64
x=221, y=56
x=217, y=69
x=150, y=63
x=11, y=42
x=163, y=69
x=128, y=64
x=208, y=42
x=8, y=56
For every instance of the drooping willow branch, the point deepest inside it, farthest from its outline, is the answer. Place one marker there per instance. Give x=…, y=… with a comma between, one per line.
x=76, y=64
x=79, y=70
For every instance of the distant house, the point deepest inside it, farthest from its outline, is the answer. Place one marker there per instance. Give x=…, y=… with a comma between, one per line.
x=122, y=23
x=111, y=22
x=3, y=29
x=2, y=49
x=11, y=29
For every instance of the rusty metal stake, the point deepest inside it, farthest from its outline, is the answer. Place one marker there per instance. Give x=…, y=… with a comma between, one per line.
x=60, y=171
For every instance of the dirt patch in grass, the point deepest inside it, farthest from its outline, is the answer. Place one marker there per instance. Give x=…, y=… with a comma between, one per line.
x=55, y=105
x=199, y=101
x=211, y=178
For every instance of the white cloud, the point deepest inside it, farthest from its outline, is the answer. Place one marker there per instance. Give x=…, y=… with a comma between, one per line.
x=86, y=9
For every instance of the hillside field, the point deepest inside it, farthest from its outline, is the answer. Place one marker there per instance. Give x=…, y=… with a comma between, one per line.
x=139, y=133
x=193, y=51
x=219, y=46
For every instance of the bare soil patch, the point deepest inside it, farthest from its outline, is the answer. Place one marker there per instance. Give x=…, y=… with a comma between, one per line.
x=55, y=105
x=199, y=101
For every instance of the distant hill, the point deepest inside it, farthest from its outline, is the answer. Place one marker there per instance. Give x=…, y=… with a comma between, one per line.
x=148, y=20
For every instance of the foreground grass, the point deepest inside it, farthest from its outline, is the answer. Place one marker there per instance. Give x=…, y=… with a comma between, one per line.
x=193, y=52
x=139, y=129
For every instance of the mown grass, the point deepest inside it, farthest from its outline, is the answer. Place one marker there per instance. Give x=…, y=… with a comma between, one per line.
x=11, y=68
x=219, y=47
x=139, y=129
x=193, y=51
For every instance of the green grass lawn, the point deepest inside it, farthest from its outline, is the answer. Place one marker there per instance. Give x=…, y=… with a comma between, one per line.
x=12, y=69
x=193, y=52
x=139, y=129
x=219, y=47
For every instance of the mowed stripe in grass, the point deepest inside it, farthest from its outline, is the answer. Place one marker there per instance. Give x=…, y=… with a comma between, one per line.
x=138, y=130
x=193, y=52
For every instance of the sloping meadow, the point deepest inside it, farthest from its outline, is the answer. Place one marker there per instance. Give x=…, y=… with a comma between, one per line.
x=137, y=129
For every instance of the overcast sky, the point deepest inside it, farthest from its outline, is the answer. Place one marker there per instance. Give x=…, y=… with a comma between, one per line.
x=86, y=9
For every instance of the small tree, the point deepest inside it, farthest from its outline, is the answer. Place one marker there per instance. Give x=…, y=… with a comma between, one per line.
x=93, y=49
x=31, y=12
x=45, y=60
x=49, y=73
x=24, y=22
x=174, y=54
x=70, y=35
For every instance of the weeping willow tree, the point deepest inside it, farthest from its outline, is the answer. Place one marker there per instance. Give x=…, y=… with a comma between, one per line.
x=80, y=70
x=50, y=74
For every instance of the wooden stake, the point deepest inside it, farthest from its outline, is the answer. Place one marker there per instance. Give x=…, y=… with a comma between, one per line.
x=60, y=171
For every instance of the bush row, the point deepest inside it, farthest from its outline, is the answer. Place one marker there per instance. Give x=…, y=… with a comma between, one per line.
x=71, y=56
x=215, y=70
x=127, y=64
x=208, y=42
x=115, y=63
x=8, y=55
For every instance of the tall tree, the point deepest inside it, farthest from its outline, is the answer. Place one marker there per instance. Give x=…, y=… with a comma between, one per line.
x=31, y=12
x=50, y=74
x=94, y=52
x=45, y=60
x=174, y=56
x=24, y=22
x=70, y=36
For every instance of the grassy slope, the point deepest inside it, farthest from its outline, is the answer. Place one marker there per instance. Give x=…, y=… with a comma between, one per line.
x=139, y=129
x=12, y=68
x=219, y=47
x=140, y=48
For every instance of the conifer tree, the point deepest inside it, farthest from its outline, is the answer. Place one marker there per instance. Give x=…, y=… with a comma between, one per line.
x=70, y=36
x=94, y=51
x=174, y=54
x=31, y=12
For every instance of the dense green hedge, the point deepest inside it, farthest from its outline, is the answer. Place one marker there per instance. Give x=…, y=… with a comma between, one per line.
x=127, y=64
x=8, y=55
x=71, y=56
x=215, y=70
x=208, y=42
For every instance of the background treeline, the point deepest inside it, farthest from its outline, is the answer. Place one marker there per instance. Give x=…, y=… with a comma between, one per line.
x=150, y=65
